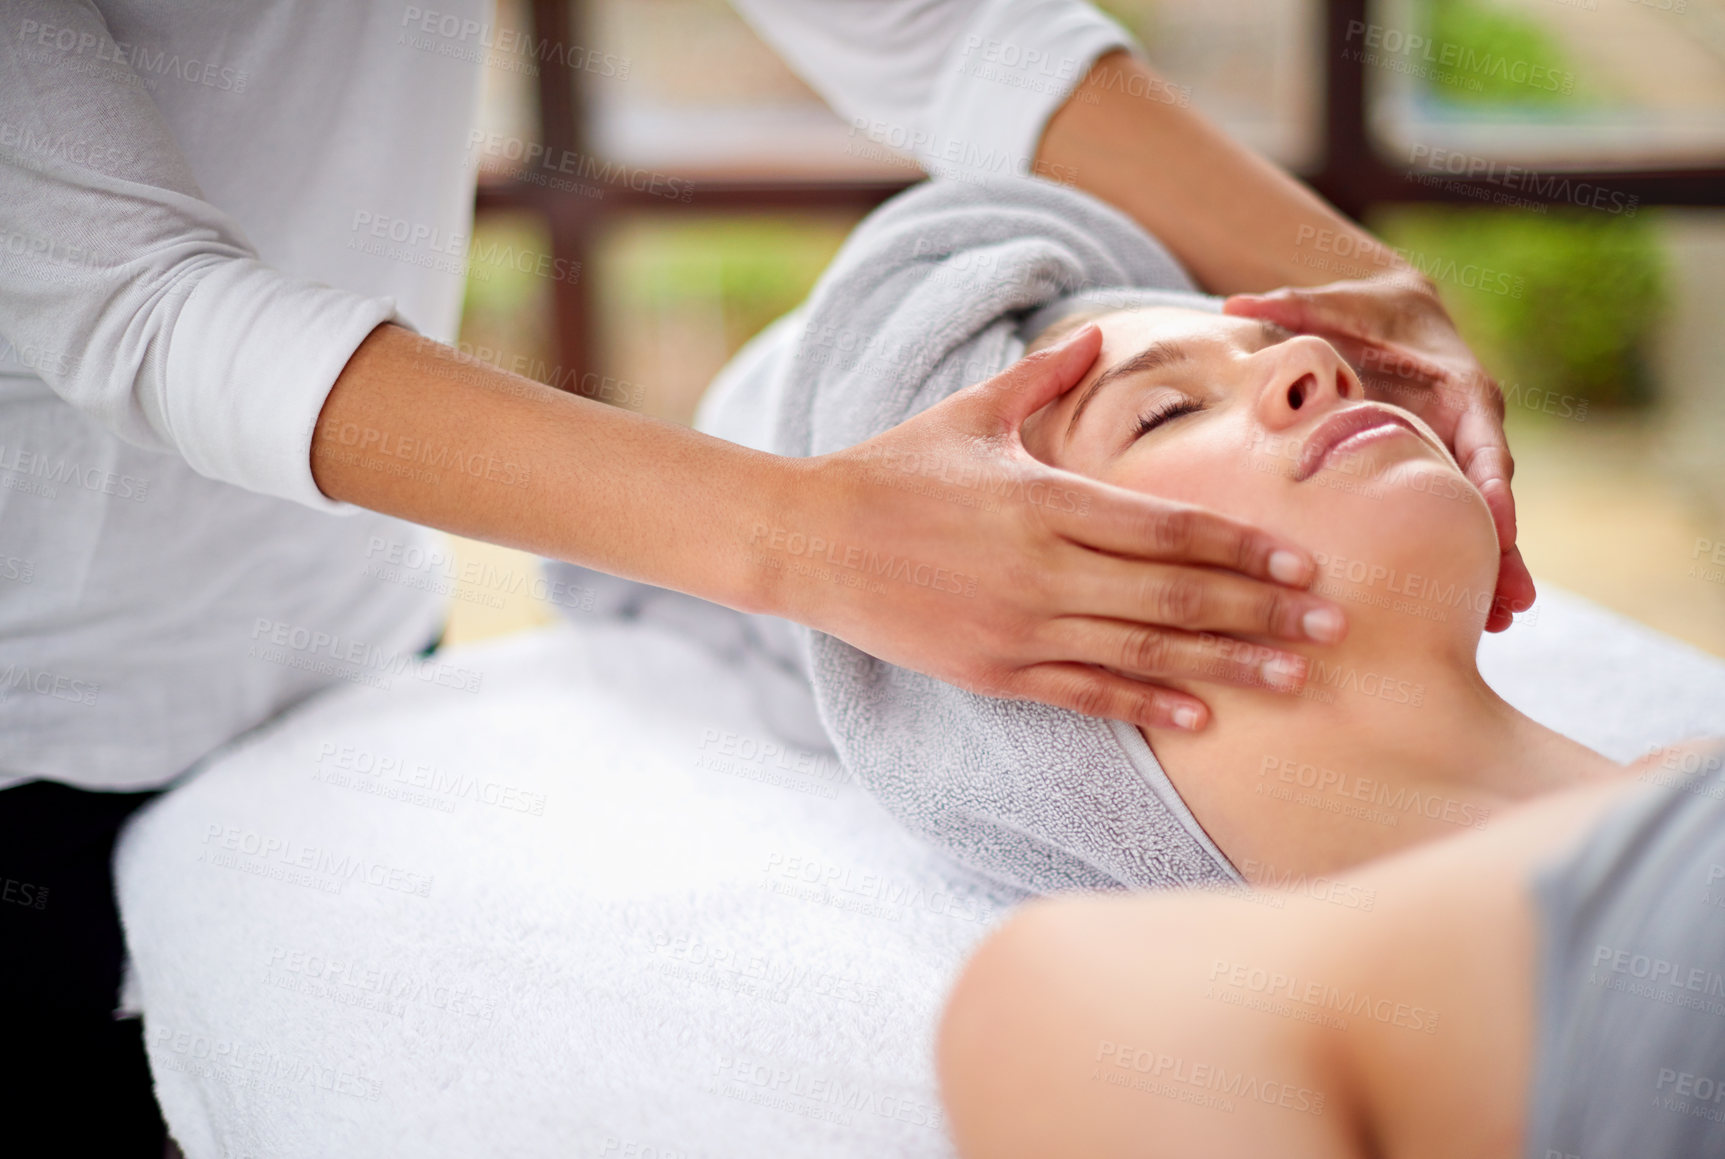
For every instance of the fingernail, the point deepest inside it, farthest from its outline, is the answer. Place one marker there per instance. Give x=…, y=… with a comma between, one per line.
x=1186, y=717
x=1323, y=625
x=1282, y=672
x=1287, y=567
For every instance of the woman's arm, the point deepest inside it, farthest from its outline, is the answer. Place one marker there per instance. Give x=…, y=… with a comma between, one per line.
x=1240, y=223
x=1019, y=599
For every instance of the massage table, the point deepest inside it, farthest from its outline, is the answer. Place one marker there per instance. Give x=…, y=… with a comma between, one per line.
x=583, y=901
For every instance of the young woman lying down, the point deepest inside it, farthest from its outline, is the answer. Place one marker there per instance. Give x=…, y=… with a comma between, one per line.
x=1392, y=1014
x=1395, y=738
x=1548, y=981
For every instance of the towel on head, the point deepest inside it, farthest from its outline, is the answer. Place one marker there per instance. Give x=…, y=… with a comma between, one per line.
x=939, y=289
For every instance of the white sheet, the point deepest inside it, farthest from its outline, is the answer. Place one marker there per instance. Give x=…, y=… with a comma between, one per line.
x=595, y=931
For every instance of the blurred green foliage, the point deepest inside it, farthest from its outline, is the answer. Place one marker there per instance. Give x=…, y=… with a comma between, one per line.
x=758, y=267
x=1592, y=289
x=1504, y=58
x=755, y=267
x=496, y=289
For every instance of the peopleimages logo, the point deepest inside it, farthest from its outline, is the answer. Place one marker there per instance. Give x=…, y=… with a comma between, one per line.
x=1343, y=252
x=535, y=156
x=1520, y=179
x=1396, y=798
x=23, y=893
x=1213, y=1077
x=1413, y=49
x=336, y=866
x=1320, y=996
x=254, y=1066
x=433, y=247
x=144, y=62
x=865, y=561
x=463, y=38
x=330, y=653
x=1318, y=887
x=49, y=472
x=21, y=677
x=421, y=453
x=449, y=784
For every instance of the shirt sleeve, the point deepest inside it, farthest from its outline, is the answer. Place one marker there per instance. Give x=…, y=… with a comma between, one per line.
x=140, y=303
x=964, y=86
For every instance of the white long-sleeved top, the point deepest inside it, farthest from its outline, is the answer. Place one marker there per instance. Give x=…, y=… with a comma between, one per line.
x=205, y=206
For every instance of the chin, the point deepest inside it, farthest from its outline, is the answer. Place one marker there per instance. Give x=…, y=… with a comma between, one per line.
x=1412, y=549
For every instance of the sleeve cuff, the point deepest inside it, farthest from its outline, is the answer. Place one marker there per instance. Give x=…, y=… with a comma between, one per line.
x=246, y=393
x=1006, y=75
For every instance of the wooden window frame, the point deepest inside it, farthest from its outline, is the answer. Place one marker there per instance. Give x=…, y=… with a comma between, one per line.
x=1350, y=173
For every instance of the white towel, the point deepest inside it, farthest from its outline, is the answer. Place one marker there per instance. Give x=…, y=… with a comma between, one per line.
x=617, y=950
x=597, y=909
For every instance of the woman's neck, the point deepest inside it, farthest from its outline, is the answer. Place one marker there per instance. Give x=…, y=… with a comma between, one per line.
x=1374, y=756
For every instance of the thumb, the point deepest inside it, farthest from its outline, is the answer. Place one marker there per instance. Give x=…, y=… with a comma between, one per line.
x=1290, y=307
x=1021, y=390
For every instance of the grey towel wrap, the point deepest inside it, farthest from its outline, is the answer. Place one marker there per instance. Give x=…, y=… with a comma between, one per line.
x=935, y=291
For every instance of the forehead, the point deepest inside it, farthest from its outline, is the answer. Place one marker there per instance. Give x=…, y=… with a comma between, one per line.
x=1127, y=330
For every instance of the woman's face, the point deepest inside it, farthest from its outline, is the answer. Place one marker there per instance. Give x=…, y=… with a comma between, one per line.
x=1249, y=420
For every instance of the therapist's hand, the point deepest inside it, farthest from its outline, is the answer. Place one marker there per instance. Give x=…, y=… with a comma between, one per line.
x=942, y=545
x=1396, y=332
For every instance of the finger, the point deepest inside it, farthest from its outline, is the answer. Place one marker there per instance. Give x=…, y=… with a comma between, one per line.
x=1197, y=600
x=1515, y=591
x=1500, y=501
x=1403, y=370
x=1489, y=469
x=1499, y=619
x=1515, y=587
x=1516, y=581
x=1299, y=309
x=1272, y=306
x=1121, y=522
x=1149, y=653
x=1030, y=384
x=1094, y=692
x=1394, y=372
x=1482, y=452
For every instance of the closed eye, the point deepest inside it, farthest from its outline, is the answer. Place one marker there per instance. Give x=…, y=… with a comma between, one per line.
x=1165, y=411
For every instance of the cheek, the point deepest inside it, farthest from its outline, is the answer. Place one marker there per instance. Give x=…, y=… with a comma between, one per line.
x=1427, y=508
x=1209, y=468
x=1421, y=544
x=1420, y=519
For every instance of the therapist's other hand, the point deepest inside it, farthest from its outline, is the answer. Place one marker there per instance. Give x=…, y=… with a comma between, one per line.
x=942, y=545
x=1395, y=331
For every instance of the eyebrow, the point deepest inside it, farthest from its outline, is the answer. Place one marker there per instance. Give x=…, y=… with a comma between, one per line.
x=1156, y=356
x=1152, y=357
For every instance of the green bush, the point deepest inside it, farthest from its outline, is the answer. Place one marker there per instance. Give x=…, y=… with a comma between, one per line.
x=1591, y=288
x=758, y=267
x=1498, y=52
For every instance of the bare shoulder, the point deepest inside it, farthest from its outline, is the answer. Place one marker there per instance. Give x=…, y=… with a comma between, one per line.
x=1698, y=757
x=1143, y=1025
x=1455, y=932
x=1368, y=1013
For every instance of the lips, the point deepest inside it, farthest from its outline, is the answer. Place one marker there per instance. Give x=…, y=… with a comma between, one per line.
x=1340, y=428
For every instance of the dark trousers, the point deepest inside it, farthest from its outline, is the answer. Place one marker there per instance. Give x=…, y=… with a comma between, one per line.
x=72, y=1076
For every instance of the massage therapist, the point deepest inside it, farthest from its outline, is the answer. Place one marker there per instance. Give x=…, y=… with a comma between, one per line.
x=216, y=395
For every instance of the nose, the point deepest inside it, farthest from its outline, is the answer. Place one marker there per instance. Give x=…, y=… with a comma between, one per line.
x=1303, y=377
